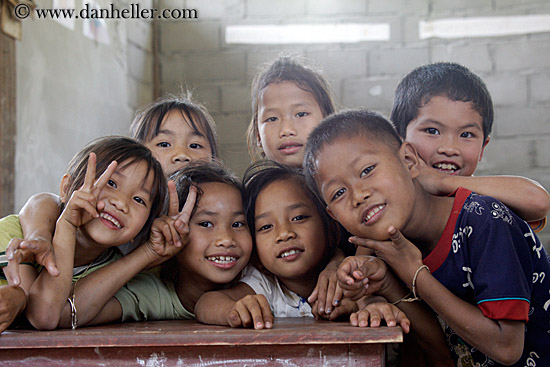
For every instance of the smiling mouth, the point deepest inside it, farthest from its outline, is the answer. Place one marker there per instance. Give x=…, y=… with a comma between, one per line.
x=446, y=167
x=288, y=253
x=373, y=212
x=222, y=260
x=111, y=219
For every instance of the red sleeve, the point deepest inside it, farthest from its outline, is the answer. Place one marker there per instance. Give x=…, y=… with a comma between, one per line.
x=511, y=309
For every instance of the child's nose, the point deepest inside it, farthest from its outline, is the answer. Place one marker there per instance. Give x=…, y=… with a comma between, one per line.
x=287, y=127
x=181, y=155
x=224, y=239
x=360, y=196
x=449, y=147
x=285, y=233
x=120, y=203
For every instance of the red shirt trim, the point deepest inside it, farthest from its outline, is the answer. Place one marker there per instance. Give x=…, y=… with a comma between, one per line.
x=437, y=257
x=513, y=309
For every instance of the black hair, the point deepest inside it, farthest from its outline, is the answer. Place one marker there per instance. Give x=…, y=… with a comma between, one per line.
x=261, y=174
x=200, y=172
x=347, y=124
x=448, y=79
x=287, y=68
x=125, y=151
x=146, y=124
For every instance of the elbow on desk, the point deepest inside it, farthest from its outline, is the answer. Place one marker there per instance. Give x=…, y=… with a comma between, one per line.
x=43, y=321
x=508, y=354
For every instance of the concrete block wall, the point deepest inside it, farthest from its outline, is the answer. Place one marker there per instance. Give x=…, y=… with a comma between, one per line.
x=71, y=89
x=515, y=68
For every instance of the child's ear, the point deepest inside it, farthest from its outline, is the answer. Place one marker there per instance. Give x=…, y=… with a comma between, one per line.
x=483, y=147
x=64, y=188
x=410, y=157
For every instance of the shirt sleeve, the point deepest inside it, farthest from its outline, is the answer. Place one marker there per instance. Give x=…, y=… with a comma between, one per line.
x=143, y=298
x=501, y=263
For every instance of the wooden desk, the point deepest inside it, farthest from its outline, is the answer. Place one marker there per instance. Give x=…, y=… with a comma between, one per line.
x=291, y=342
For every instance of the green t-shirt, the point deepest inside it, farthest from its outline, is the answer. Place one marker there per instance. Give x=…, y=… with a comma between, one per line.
x=146, y=297
x=10, y=227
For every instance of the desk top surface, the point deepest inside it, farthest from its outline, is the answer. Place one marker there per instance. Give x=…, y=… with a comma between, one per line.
x=191, y=333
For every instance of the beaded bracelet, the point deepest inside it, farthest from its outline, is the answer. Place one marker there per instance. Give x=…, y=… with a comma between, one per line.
x=415, y=297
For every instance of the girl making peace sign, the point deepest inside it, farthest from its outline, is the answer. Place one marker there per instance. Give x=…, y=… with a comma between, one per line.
x=208, y=254
x=112, y=191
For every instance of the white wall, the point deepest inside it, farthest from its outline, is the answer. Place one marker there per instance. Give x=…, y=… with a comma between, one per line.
x=70, y=90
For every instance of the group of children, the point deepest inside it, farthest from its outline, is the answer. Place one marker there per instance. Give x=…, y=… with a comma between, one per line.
x=155, y=227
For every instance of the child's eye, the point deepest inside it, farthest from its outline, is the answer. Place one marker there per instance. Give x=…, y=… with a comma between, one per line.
x=164, y=145
x=140, y=200
x=432, y=131
x=206, y=224
x=195, y=146
x=111, y=183
x=338, y=193
x=466, y=135
x=265, y=227
x=270, y=119
x=366, y=171
x=302, y=114
x=238, y=224
x=300, y=217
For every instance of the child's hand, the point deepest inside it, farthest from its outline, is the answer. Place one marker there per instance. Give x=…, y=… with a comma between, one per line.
x=170, y=233
x=251, y=310
x=362, y=275
x=12, y=302
x=83, y=205
x=373, y=313
x=346, y=307
x=399, y=253
x=327, y=293
x=20, y=251
x=181, y=219
x=432, y=180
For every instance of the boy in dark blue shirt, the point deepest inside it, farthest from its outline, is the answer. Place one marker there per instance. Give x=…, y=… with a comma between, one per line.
x=474, y=262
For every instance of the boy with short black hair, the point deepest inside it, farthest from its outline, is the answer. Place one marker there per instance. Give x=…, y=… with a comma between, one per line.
x=486, y=267
x=446, y=112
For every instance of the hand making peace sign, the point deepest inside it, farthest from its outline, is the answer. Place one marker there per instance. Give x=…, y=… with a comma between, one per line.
x=83, y=205
x=170, y=233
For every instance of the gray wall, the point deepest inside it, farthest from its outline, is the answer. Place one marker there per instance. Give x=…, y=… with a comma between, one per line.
x=71, y=89
x=515, y=68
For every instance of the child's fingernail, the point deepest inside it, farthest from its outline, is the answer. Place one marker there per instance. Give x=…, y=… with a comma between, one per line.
x=321, y=309
x=336, y=302
x=268, y=324
x=328, y=311
x=259, y=325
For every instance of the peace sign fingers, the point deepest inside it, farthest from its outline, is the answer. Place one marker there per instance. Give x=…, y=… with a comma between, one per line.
x=188, y=207
x=105, y=176
x=173, y=200
x=89, y=178
x=182, y=218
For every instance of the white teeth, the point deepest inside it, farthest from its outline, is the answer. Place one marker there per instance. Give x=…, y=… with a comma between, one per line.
x=110, y=219
x=222, y=259
x=446, y=166
x=373, y=212
x=290, y=253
